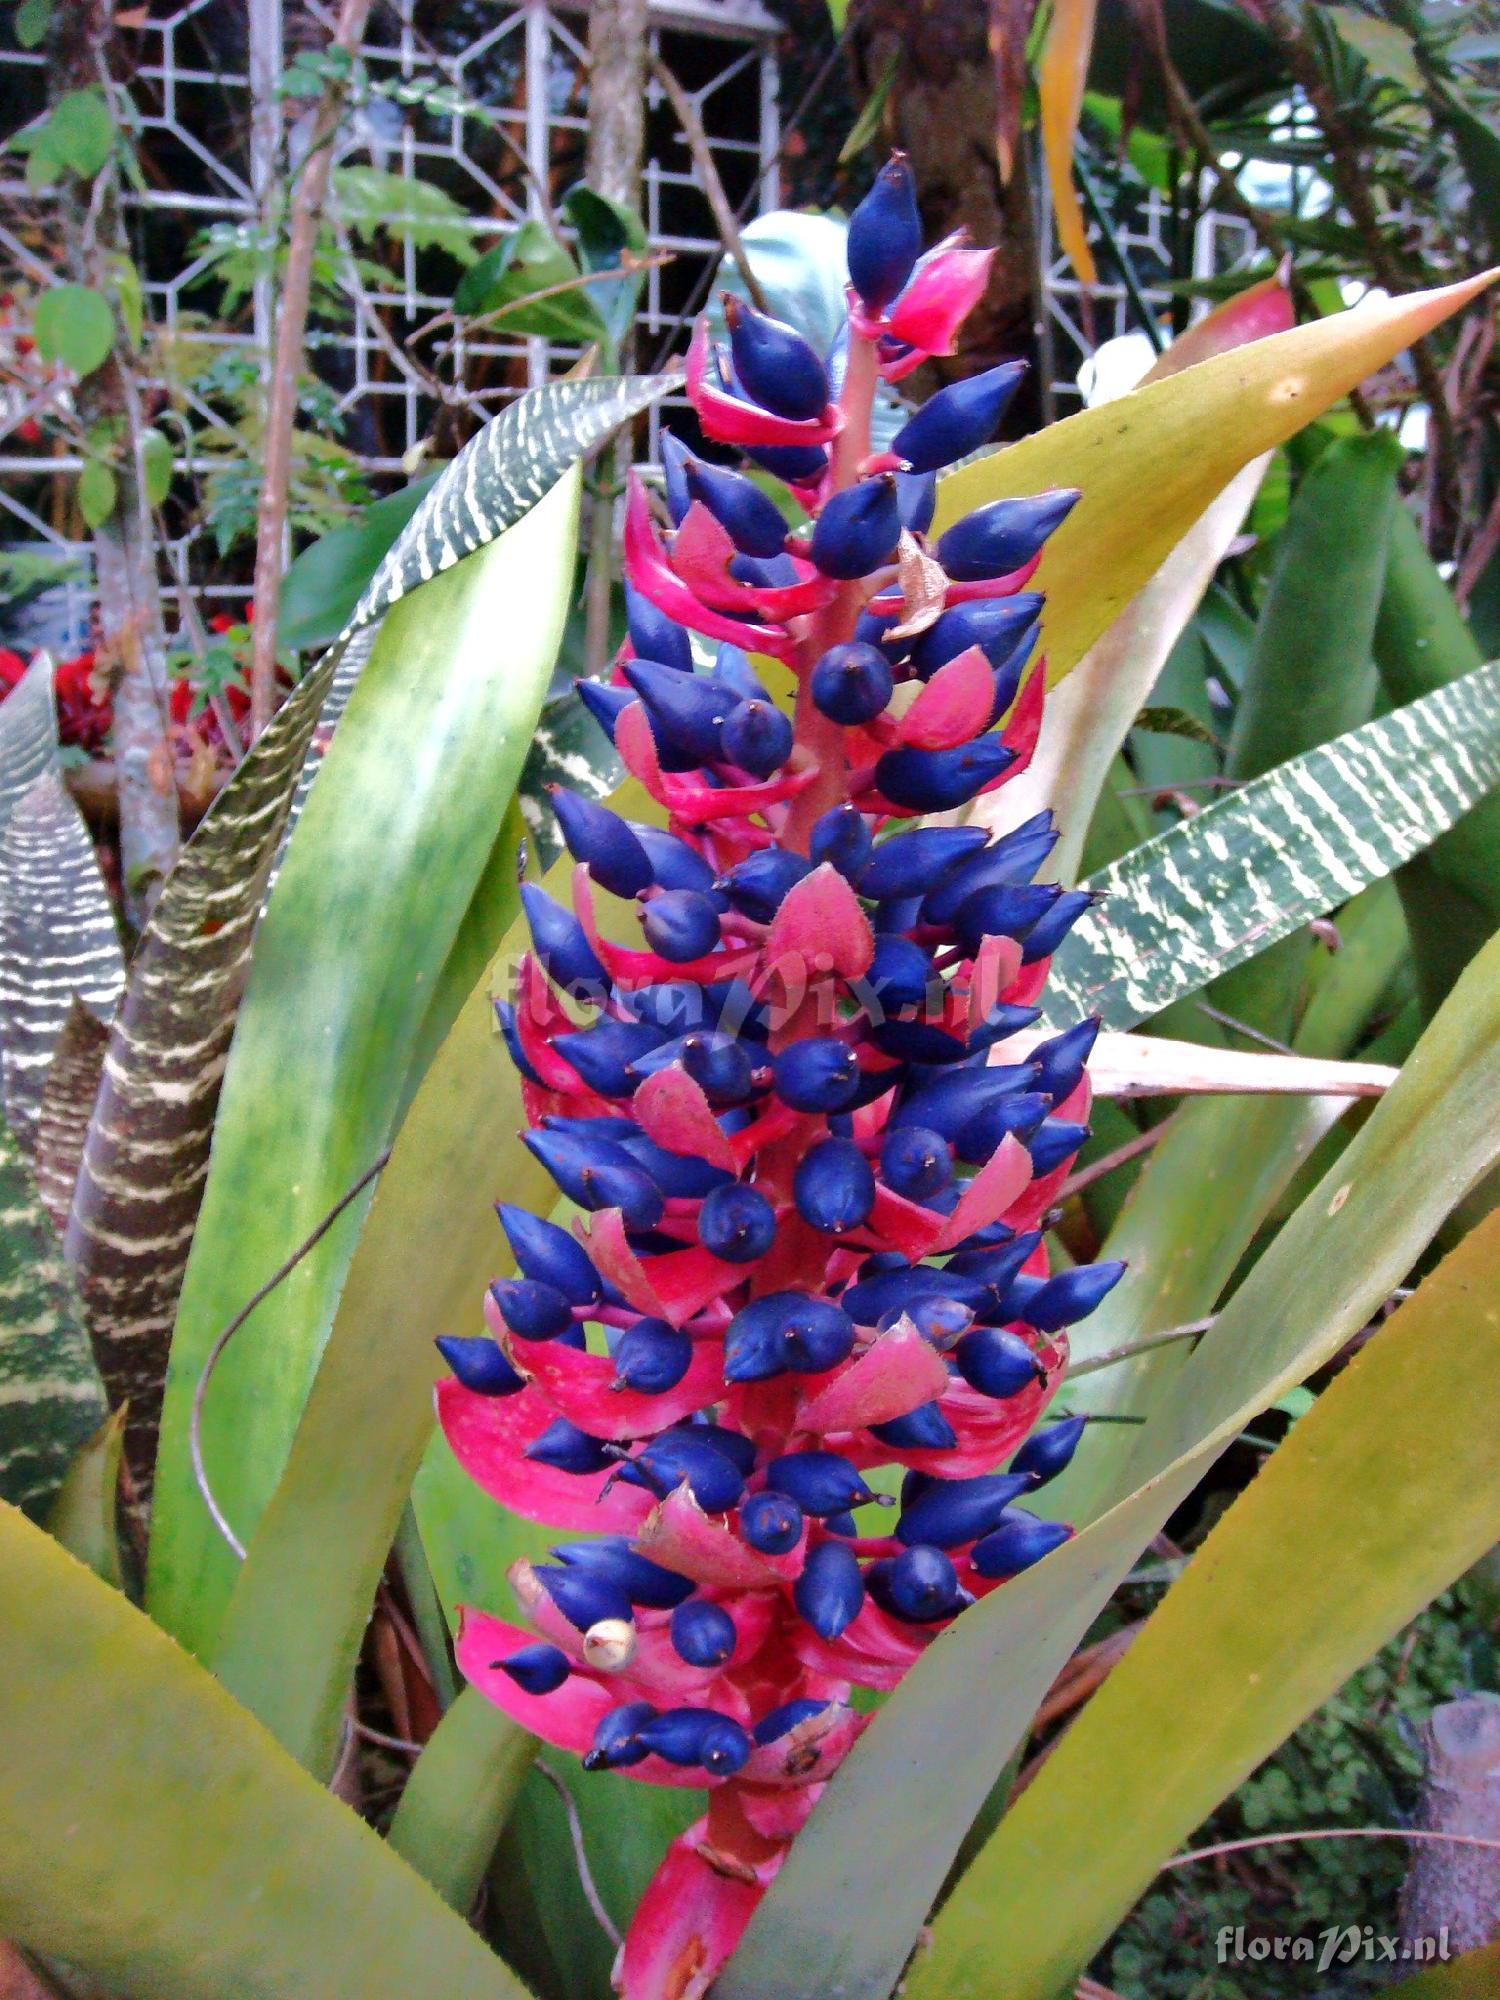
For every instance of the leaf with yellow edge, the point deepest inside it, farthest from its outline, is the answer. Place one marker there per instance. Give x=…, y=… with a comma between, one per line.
x=1247, y=1643
x=944, y=1736
x=1060, y=79
x=154, y=1836
x=1149, y=463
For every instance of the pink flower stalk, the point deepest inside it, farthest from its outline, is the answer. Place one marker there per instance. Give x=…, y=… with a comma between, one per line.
x=814, y=1189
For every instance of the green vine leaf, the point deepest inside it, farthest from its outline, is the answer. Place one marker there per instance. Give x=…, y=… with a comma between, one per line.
x=74, y=325
x=98, y=490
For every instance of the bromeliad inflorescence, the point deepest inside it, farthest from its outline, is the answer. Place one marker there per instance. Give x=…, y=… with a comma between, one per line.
x=814, y=1177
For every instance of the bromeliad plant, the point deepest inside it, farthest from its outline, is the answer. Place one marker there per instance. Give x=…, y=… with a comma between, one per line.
x=814, y=1132
x=783, y=1108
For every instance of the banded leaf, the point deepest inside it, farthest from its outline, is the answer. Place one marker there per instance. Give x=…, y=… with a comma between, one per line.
x=68, y=1098
x=147, y=1154
x=51, y=1400
x=58, y=942
x=1253, y=867
x=28, y=734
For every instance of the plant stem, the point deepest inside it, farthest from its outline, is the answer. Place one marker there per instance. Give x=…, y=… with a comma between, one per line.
x=291, y=333
x=706, y=168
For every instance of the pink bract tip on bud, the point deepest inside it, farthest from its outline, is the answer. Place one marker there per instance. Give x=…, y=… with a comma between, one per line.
x=943, y=292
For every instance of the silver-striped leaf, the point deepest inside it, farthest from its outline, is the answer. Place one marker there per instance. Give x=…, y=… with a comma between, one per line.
x=146, y=1157
x=1254, y=867
x=58, y=942
x=28, y=734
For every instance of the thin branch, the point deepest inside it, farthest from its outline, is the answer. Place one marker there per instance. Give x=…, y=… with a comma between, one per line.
x=595, y=1901
x=216, y=1352
x=1112, y=1356
x=1243, y=1028
x=1326, y=1833
x=310, y=193
x=1107, y=1162
x=708, y=177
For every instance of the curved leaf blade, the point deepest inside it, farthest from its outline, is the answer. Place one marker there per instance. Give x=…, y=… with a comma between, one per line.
x=1221, y=887
x=1243, y=1648
x=1151, y=462
x=942, y=1739
x=116, y=1855
x=28, y=734
x=347, y=959
x=146, y=1158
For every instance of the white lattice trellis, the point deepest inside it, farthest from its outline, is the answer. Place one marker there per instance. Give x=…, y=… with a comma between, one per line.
x=207, y=87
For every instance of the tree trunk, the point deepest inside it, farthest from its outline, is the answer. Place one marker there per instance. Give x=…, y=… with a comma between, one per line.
x=132, y=631
x=612, y=166
x=944, y=111
x=1450, y=1888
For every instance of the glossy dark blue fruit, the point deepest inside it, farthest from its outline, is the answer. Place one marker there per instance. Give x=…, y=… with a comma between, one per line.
x=958, y=419
x=996, y=1361
x=603, y=1054
x=947, y=1101
x=478, y=1364
x=561, y=944
x=603, y=702
x=834, y=1186
x=857, y=529
x=797, y=464
x=719, y=1064
x=674, y=865
x=737, y=1223
x=1053, y=1142
x=1048, y=932
x=566, y=1448
x=779, y=1722
x=697, y=1736
x=916, y=496
x=531, y=1309
x=1060, y=1061
x=842, y=838
x=748, y=516
x=775, y=366
x=910, y=863
x=1013, y=858
x=603, y=842
x=713, y=1478
x=771, y=1522
x=885, y=235
x=937, y=780
x=550, y=1254
x=821, y=1482
x=920, y=1584
x=680, y=925
x=643, y=1581
x=655, y=636
x=922, y=1429
x=1005, y=909
x=816, y=1074
x=756, y=737
x=949, y=1512
x=999, y=538
x=851, y=683
x=651, y=1357
x=686, y=711
x=916, y=1161
x=617, y=1744
x=539, y=1669
x=994, y=624
x=830, y=1590
x=1019, y=1540
x=703, y=1633
x=1049, y=1451
x=1072, y=1295
x=597, y=1174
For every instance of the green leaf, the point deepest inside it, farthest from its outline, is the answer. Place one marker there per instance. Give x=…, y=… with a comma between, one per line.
x=345, y=963
x=57, y=939
x=156, y=465
x=82, y=132
x=418, y=212
x=154, y=1120
x=33, y=18
x=1471, y=1976
x=155, y=1837
x=867, y=124
x=1151, y=462
x=1451, y=893
x=459, y=1796
x=326, y=581
x=1381, y=44
x=97, y=492
x=1171, y=721
x=1244, y=1647
x=1255, y=866
x=73, y=324
x=82, y=1515
x=608, y=231
x=504, y=281
x=944, y=1735
x=50, y=1395
x=1211, y=1181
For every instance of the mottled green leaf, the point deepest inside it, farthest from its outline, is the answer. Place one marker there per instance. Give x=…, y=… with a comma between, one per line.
x=74, y=325
x=51, y=1400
